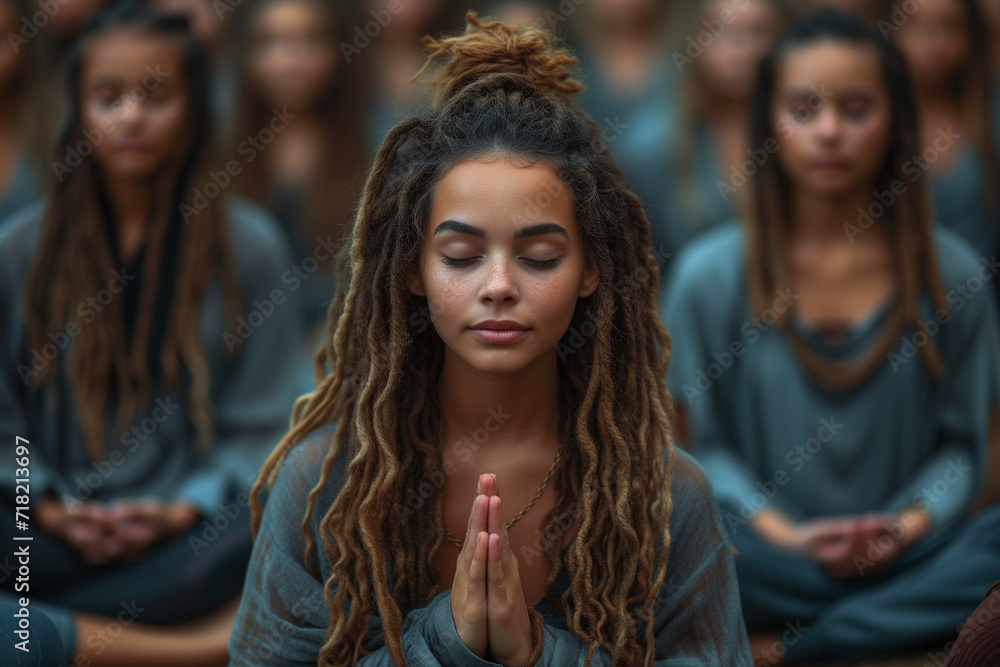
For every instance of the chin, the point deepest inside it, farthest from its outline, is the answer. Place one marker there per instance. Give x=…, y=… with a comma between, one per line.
x=842, y=186
x=506, y=361
x=134, y=170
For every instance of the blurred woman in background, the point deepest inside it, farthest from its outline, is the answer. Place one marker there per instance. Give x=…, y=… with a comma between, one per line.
x=387, y=38
x=210, y=25
x=838, y=377
x=310, y=173
x=692, y=176
x=628, y=77
x=945, y=45
x=143, y=362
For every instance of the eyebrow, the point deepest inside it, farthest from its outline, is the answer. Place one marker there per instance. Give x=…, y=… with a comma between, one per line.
x=520, y=233
x=804, y=93
x=105, y=81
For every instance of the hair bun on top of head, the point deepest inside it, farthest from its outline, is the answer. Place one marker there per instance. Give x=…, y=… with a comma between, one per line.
x=498, y=48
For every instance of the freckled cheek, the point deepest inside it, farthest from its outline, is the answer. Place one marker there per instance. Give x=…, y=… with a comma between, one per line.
x=552, y=304
x=449, y=297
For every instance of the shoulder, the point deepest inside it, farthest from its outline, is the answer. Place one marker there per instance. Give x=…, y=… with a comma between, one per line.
x=968, y=280
x=19, y=237
x=718, y=255
x=708, y=277
x=261, y=252
x=698, y=536
x=255, y=234
x=300, y=472
x=691, y=492
x=957, y=259
x=20, y=232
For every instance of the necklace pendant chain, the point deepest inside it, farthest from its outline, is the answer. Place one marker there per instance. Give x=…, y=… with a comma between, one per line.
x=524, y=510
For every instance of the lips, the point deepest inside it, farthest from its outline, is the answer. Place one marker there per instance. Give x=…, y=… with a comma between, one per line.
x=499, y=325
x=132, y=146
x=829, y=163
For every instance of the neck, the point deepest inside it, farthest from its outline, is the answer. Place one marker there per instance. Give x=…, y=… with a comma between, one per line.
x=718, y=110
x=131, y=204
x=492, y=418
x=833, y=218
x=405, y=50
x=727, y=113
x=934, y=101
x=626, y=37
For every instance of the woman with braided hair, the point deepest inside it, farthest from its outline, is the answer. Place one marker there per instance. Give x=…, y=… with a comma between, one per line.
x=484, y=473
x=836, y=367
x=140, y=400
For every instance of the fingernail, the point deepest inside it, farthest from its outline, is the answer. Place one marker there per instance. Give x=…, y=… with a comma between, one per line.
x=496, y=485
x=479, y=485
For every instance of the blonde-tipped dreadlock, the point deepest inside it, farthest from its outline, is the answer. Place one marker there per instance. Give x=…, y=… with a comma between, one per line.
x=502, y=90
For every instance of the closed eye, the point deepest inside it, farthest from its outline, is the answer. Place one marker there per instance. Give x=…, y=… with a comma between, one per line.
x=538, y=263
x=451, y=261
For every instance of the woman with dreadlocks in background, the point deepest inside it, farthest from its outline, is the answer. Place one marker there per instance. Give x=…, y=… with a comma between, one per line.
x=139, y=371
x=946, y=46
x=837, y=376
x=487, y=476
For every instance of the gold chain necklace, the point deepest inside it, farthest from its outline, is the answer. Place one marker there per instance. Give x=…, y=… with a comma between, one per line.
x=524, y=510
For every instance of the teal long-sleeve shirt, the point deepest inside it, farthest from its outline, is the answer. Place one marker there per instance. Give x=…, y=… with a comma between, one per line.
x=252, y=391
x=283, y=615
x=768, y=435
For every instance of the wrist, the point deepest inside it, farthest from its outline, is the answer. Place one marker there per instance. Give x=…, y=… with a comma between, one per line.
x=49, y=513
x=530, y=657
x=775, y=528
x=180, y=516
x=916, y=524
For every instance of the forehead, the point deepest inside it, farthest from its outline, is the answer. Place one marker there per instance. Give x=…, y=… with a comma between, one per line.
x=941, y=10
x=831, y=67
x=497, y=193
x=128, y=56
x=290, y=15
x=751, y=12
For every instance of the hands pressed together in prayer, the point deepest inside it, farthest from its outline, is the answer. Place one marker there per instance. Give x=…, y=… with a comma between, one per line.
x=487, y=602
x=118, y=531
x=849, y=546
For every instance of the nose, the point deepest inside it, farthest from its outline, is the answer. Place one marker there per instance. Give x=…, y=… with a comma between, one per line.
x=499, y=285
x=827, y=122
x=130, y=114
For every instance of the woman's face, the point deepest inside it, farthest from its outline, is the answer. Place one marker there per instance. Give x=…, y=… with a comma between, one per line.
x=133, y=103
x=936, y=42
x=402, y=19
x=628, y=13
x=746, y=32
x=831, y=116
x=502, y=243
x=292, y=56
